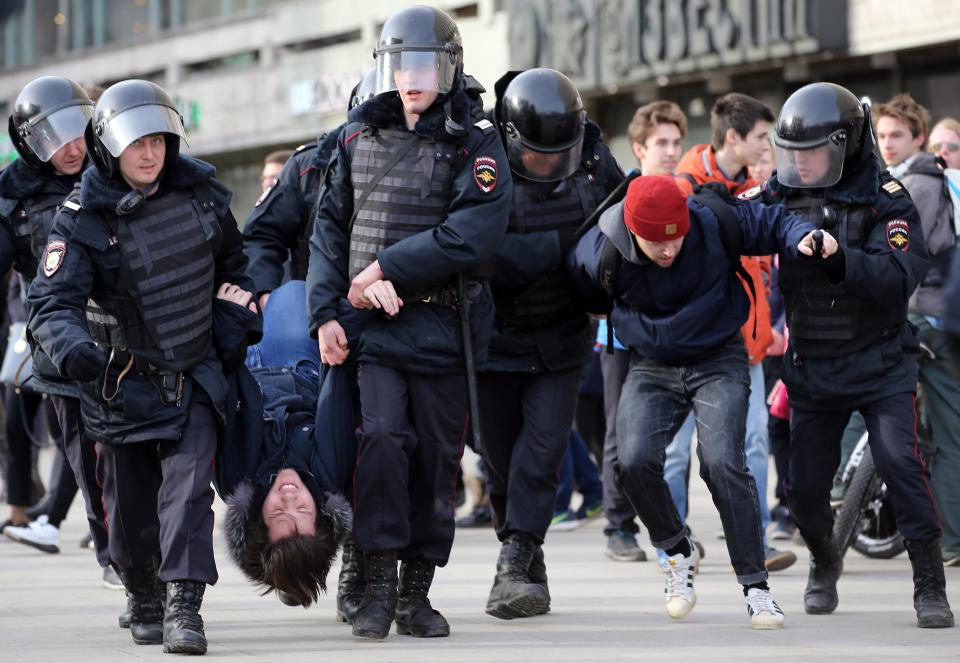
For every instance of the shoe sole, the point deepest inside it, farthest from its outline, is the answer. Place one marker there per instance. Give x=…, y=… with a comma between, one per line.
x=107, y=585
x=45, y=547
x=518, y=608
x=686, y=613
x=370, y=635
x=766, y=624
x=193, y=648
x=639, y=556
x=403, y=629
x=782, y=561
x=935, y=623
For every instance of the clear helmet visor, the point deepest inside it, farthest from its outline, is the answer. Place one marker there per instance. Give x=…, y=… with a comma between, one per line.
x=810, y=165
x=427, y=70
x=542, y=165
x=45, y=136
x=123, y=128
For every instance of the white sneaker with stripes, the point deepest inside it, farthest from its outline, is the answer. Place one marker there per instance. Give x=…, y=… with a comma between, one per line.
x=764, y=612
x=678, y=592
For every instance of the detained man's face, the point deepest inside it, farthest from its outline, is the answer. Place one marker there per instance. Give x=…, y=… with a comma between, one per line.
x=661, y=253
x=68, y=160
x=812, y=165
x=289, y=509
x=417, y=87
x=142, y=160
x=660, y=152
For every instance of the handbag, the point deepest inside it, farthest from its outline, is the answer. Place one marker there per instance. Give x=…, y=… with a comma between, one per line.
x=17, y=368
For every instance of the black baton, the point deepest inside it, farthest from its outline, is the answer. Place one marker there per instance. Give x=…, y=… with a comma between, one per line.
x=466, y=338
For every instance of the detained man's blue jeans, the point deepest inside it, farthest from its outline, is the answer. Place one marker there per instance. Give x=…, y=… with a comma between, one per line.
x=656, y=399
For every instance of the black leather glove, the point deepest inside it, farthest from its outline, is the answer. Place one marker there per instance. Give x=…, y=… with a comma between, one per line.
x=85, y=363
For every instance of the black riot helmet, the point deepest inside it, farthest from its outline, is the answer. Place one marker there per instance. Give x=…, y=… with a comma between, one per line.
x=419, y=48
x=127, y=111
x=541, y=118
x=822, y=130
x=364, y=89
x=49, y=113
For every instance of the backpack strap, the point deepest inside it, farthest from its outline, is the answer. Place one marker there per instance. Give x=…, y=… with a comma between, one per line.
x=731, y=236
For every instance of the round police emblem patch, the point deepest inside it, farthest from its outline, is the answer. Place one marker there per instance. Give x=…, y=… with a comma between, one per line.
x=751, y=193
x=485, y=173
x=53, y=257
x=898, y=234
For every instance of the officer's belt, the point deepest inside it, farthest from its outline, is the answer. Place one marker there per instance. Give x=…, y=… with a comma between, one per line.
x=169, y=384
x=448, y=296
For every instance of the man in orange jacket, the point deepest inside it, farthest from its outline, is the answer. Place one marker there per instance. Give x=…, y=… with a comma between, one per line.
x=739, y=127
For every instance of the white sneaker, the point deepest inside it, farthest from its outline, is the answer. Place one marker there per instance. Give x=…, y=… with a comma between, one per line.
x=764, y=612
x=39, y=533
x=678, y=592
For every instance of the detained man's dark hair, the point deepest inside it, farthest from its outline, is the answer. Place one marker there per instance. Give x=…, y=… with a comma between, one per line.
x=739, y=112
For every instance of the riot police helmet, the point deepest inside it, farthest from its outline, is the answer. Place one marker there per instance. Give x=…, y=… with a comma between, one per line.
x=419, y=48
x=364, y=89
x=128, y=111
x=822, y=130
x=48, y=113
x=542, y=120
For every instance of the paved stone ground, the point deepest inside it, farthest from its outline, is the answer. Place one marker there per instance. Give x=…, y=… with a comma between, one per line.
x=52, y=608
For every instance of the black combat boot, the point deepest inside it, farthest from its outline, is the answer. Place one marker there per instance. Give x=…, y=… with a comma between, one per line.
x=538, y=573
x=929, y=585
x=350, y=585
x=182, y=623
x=143, y=604
x=415, y=615
x=820, y=596
x=513, y=595
x=379, y=604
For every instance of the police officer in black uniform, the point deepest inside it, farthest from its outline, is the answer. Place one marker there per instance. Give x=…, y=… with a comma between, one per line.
x=142, y=298
x=279, y=227
x=46, y=128
x=417, y=192
x=541, y=337
x=851, y=347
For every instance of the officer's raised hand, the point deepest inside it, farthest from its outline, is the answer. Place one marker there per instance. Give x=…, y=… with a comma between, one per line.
x=361, y=282
x=808, y=245
x=382, y=295
x=85, y=363
x=237, y=295
x=333, y=343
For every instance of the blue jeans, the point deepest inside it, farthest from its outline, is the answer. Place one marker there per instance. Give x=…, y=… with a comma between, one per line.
x=677, y=466
x=578, y=470
x=286, y=337
x=656, y=399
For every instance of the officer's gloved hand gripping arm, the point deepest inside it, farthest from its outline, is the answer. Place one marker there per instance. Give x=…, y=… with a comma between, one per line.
x=327, y=281
x=56, y=301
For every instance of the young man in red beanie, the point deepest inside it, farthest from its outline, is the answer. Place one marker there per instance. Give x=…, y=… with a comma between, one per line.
x=679, y=306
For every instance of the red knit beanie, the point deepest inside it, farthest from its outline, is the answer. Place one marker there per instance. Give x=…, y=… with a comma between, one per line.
x=655, y=209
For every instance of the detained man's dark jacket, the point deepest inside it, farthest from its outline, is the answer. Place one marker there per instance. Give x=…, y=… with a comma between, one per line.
x=91, y=264
x=422, y=337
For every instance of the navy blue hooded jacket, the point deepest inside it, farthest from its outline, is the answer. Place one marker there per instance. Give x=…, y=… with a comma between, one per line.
x=680, y=313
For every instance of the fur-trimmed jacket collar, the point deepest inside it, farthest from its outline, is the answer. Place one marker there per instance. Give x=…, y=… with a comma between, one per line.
x=99, y=193
x=385, y=111
x=20, y=180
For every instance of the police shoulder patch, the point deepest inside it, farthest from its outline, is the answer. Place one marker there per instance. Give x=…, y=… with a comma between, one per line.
x=485, y=125
x=263, y=196
x=751, y=193
x=485, y=173
x=53, y=257
x=898, y=234
x=891, y=187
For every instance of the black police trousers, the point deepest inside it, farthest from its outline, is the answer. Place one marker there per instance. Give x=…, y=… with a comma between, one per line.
x=158, y=499
x=815, y=454
x=525, y=420
x=413, y=430
x=82, y=457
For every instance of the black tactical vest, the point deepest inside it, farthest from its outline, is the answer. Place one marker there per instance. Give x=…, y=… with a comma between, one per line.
x=32, y=223
x=820, y=314
x=412, y=197
x=537, y=207
x=165, y=313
